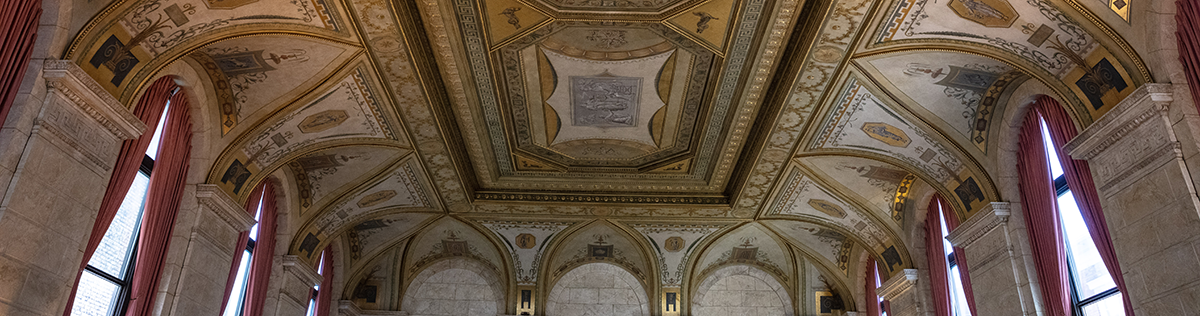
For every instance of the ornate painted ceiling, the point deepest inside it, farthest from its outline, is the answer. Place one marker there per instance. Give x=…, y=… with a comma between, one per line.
x=670, y=130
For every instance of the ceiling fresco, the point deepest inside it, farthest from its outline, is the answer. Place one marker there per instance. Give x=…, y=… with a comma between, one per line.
x=668, y=137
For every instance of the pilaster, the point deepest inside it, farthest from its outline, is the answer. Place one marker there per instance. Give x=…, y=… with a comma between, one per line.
x=295, y=284
x=56, y=187
x=1144, y=163
x=208, y=254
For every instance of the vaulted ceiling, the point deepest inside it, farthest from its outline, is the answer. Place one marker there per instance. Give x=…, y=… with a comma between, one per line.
x=810, y=125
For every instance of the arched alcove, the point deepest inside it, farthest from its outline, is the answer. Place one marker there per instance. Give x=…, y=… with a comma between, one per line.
x=741, y=290
x=597, y=289
x=456, y=286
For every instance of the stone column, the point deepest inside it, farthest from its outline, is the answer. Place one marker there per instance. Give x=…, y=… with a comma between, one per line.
x=900, y=290
x=1144, y=158
x=59, y=177
x=294, y=285
x=348, y=308
x=204, y=270
x=998, y=275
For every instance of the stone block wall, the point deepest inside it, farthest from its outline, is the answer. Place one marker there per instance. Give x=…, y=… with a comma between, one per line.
x=50, y=200
x=597, y=289
x=1145, y=158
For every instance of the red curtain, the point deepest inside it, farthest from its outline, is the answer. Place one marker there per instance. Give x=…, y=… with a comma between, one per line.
x=129, y=159
x=162, y=205
x=1187, y=18
x=243, y=238
x=18, y=30
x=1041, y=217
x=325, y=296
x=264, y=252
x=872, y=298
x=960, y=257
x=936, y=258
x=1079, y=180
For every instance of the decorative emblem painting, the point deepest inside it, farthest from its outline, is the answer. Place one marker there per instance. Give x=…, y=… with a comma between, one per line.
x=887, y=134
x=605, y=100
x=827, y=208
x=989, y=13
x=673, y=244
x=526, y=241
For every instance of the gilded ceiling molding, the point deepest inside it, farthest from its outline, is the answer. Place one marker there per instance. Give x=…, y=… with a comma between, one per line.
x=814, y=77
x=397, y=67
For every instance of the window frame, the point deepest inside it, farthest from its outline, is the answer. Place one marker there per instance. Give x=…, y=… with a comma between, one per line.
x=1077, y=303
x=120, y=306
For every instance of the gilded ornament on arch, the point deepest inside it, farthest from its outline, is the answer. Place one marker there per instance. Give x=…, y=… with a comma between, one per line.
x=887, y=134
x=323, y=121
x=828, y=54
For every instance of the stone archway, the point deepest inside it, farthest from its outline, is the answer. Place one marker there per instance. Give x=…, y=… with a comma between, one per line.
x=597, y=289
x=455, y=286
x=741, y=290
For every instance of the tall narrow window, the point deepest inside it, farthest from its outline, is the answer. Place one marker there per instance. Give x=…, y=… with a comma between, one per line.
x=104, y=287
x=237, y=300
x=882, y=303
x=319, y=298
x=958, y=297
x=1093, y=291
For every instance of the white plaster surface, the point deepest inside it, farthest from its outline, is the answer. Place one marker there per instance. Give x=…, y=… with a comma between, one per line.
x=597, y=289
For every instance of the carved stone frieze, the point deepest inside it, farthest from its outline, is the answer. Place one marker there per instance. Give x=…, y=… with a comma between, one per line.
x=1134, y=135
x=66, y=78
x=299, y=278
x=220, y=204
x=981, y=224
x=899, y=285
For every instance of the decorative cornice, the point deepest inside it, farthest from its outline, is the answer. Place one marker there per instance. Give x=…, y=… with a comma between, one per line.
x=898, y=285
x=990, y=217
x=1117, y=123
x=302, y=270
x=348, y=308
x=72, y=82
x=224, y=207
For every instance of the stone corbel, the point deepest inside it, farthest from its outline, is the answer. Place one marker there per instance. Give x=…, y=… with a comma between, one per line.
x=898, y=285
x=348, y=308
x=990, y=217
x=220, y=204
x=299, y=279
x=65, y=77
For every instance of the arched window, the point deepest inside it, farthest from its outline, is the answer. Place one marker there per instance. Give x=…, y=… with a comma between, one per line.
x=246, y=288
x=947, y=265
x=125, y=254
x=1076, y=265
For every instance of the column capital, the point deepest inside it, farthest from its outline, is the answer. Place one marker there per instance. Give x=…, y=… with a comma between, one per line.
x=987, y=219
x=898, y=285
x=77, y=86
x=213, y=198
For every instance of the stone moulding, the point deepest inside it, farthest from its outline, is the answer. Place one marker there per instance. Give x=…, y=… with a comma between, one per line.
x=298, y=270
x=67, y=78
x=215, y=199
x=1116, y=124
x=898, y=285
x=1130, y=139
x=990, y=217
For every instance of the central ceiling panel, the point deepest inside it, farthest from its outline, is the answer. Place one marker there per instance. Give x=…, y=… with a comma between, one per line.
x=625, y=103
